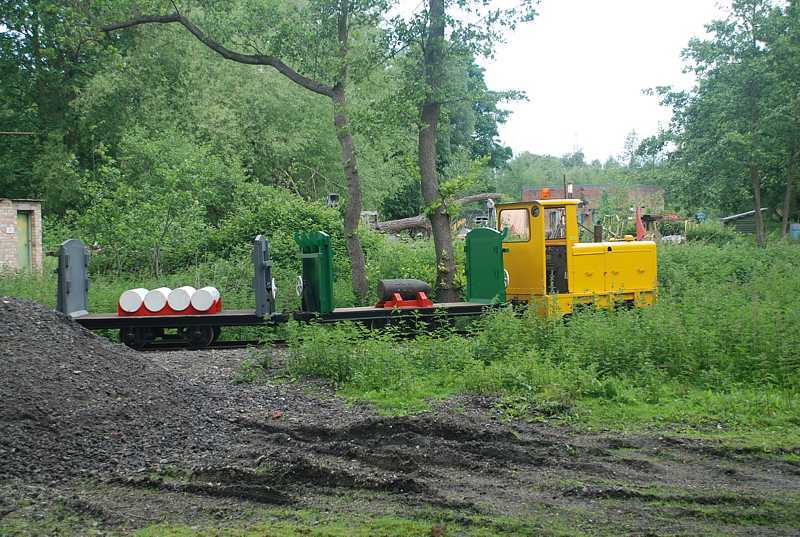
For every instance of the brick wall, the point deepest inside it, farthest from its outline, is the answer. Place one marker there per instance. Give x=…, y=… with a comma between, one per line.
x=650, y=197
x=647, y=196
x=8, y=233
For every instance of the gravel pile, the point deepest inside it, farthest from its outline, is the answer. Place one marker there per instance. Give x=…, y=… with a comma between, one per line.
x=74, y=404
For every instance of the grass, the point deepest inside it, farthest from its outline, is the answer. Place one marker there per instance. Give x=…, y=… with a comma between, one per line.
x=541, y=519
x=717, y=356
x=705, y=511
x=286, y=522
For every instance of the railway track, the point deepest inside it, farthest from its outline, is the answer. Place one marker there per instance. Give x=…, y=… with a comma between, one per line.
x=175, y=345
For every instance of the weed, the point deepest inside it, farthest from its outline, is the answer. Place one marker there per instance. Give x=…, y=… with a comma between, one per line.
x=254, y=366
x=718, y=352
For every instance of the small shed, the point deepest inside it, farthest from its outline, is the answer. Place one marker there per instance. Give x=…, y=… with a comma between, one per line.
x=21, y=234
x=369, y=219
x=743, y=222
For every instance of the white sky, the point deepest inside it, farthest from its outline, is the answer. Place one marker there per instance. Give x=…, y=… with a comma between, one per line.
x=584, y=64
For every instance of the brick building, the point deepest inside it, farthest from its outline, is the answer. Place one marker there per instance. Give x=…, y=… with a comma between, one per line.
x=20, y=234
x=649, y=198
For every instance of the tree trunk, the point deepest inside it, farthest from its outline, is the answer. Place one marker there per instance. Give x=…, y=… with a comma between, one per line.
x=341, y=121
x=788, y=201
x=440, y=221
x=421, y=221
x=791, y=172
x=352, y=212
x=759, y=218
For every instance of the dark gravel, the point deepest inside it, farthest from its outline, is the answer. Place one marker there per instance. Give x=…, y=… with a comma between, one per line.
x=76, y=404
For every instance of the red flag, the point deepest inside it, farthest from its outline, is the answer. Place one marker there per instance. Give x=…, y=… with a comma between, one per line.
x=640, y=230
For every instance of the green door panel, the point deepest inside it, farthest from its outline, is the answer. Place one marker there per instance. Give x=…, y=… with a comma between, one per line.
x=24, y=241
x=316, y=257
x=485, y=273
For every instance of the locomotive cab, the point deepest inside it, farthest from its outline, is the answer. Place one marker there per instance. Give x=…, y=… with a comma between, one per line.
x=547, y=265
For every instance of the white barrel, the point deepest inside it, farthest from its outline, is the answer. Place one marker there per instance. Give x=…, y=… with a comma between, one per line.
x=205, y=298
x=180, y=298
x=156, y=299
x=132, y=299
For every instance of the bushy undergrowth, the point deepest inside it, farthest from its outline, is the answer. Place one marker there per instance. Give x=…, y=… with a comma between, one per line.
x=720, y=347
x=221, y=256
x=233, y=274
x=714, y=232
x=134, y=243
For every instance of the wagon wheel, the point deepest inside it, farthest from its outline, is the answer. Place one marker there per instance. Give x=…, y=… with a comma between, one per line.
x=135, y=338
x=198, y=337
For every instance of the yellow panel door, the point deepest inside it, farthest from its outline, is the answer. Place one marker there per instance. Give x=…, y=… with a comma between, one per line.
x=632, y=267
x=24, y=241
x=588, y=269
x=523, y=255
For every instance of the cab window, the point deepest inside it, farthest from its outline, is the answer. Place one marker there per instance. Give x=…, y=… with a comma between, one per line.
x=516, y=220
x=555, y=223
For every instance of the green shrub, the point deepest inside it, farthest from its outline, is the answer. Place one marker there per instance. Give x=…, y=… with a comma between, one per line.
x=712, y=232
x=277, y=214
x=671, y=227
x=151, y=208
x=254, y=367
x=726, y=323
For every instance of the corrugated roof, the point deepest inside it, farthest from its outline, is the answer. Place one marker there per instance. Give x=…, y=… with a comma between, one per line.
x=651, y=188
x=742, y=215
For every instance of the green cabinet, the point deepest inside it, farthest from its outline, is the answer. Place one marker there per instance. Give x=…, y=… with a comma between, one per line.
x=316, y=258
x=485, y=273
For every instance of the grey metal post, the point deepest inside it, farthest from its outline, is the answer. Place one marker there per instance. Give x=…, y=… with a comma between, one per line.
x=262, y=277
x=72, y=296
x=598, y=233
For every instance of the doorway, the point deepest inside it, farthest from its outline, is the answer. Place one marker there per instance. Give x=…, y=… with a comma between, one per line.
x=24, y=250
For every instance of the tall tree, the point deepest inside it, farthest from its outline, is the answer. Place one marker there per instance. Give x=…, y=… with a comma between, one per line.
x=440, y=40
x=433, y=63
x=467, y=139
x=784, y=71
x=47, y=51
x=317, y=37
x=720, y=126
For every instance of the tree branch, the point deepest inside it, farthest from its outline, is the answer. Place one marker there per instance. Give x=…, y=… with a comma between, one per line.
x=420, y=221
x=250, y=59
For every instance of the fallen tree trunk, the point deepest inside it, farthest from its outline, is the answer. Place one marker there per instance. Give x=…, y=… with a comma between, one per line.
x=479, y=197
x=421, y=222
x=395, y=226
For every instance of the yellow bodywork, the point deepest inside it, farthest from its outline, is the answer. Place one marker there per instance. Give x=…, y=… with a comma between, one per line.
x=547, y=265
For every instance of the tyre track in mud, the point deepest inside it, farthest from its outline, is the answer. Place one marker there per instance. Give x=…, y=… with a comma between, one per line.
x=461, y=456
x=481, y=465
x=174, y=424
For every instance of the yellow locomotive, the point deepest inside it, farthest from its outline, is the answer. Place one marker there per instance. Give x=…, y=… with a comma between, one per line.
x=545, y=263
x=538, y=253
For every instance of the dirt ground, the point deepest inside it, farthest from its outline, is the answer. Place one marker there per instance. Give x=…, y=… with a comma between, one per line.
x=199, y=449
